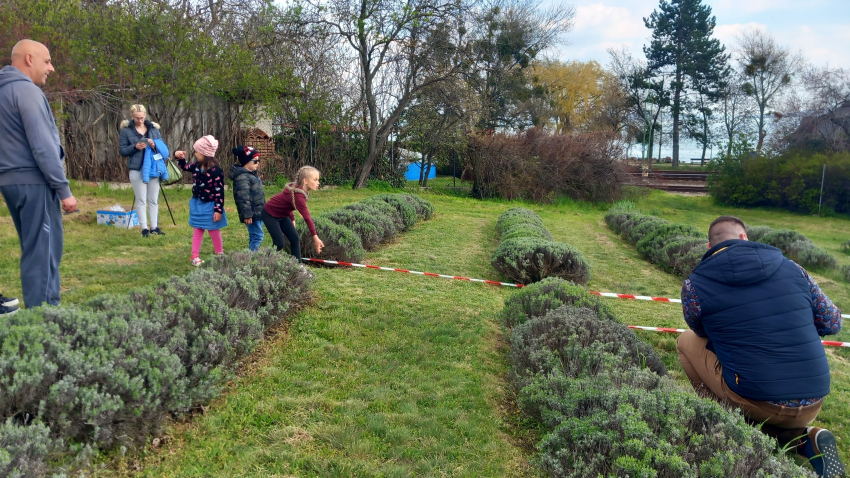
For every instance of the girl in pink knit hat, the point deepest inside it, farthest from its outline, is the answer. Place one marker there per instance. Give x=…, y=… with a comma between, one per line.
x=206, y=208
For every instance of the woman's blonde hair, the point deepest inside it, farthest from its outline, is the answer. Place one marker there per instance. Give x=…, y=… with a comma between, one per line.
x=138, y=108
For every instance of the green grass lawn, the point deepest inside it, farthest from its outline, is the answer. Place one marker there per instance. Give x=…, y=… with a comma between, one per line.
x=390, y=374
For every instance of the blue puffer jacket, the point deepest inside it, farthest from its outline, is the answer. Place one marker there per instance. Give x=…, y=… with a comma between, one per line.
x=155, y=168
x=757, y=312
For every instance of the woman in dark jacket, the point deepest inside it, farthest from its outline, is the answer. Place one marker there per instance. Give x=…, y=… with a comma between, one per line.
x=134, y=139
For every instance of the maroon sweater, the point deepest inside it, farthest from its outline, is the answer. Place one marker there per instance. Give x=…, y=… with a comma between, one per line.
x=281, y=205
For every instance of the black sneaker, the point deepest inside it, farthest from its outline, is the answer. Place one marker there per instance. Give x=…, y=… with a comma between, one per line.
x=145, y=233
x=157, y=231
x=8, y=301
x=4, y=310
x=821, y=450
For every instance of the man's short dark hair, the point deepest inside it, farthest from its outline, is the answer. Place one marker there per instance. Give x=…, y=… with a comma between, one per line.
x=724, y=228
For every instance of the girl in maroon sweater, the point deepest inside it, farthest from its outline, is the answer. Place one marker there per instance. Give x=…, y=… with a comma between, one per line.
x=279, y=212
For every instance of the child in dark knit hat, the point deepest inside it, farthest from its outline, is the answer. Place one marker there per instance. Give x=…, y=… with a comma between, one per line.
x=248, y=192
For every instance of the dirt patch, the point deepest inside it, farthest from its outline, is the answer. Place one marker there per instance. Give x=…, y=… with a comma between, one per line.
x=120, y=261
x=299, y=436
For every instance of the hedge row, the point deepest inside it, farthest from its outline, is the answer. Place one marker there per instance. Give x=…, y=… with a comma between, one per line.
x=605, y=405
x=350, y=231
x=794, y=245
x=77, y=379
x=527, y=253
x=675, y=246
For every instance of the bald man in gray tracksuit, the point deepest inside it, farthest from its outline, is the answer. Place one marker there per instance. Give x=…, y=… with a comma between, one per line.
x=32, y=180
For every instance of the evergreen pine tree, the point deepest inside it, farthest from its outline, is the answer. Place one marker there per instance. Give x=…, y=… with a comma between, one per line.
x=682, y=45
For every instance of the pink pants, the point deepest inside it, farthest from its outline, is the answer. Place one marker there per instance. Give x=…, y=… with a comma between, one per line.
x=198, y=239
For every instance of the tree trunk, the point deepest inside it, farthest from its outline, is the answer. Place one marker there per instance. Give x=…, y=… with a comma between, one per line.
x=677, y=97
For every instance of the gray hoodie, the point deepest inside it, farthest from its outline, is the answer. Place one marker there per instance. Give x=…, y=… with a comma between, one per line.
x=30, y=152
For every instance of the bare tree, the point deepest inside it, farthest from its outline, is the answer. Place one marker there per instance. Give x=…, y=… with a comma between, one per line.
x=768, y=69
x=645, y=94
x=401, y=46
x=735, y=109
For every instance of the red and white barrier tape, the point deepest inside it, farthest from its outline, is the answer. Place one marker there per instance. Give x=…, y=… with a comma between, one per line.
x=654, y=299
x=679, y=331
x=635, y=297
x=508, y=284
x=430, y=274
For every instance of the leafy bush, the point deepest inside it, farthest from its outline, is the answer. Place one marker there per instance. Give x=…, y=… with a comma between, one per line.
x=424, y=209
x=108, y=372
x=615, y=219
x=633, y=423
x=791, y=180
x=516, y=216
x=526, y=230
x=527, y=254
x=578, y=343
x=756, y=233
x=644, y=227
x=845, y=247
x=651, y=244
x=782, y=239
x=388, y=216
x=370, y=229
x=845, y=271
x=404, y=208
x=341, y=243
x=682, y=254
x=536, y=300
x=24, y=449
x=527, y=260
x=795, y=246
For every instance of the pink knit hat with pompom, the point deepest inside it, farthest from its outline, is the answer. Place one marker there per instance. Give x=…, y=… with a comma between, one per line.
x=206, y=145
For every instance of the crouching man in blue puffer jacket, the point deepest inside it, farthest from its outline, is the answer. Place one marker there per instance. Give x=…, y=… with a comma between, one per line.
x=756, y=320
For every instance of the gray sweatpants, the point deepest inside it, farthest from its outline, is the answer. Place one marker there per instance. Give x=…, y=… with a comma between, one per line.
x=147, y=196
x=37, y=214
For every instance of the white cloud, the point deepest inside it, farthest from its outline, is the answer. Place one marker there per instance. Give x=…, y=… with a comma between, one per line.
x=738, y=7
x=609, y=22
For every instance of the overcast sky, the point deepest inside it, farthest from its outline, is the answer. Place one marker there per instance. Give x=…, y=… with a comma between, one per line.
x=818, y=28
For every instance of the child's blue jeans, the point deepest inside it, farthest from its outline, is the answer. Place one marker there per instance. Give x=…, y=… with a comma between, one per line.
x=255, y=234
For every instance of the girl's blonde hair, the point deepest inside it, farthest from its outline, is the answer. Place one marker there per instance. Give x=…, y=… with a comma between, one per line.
x=138, y=108
x=300, y=176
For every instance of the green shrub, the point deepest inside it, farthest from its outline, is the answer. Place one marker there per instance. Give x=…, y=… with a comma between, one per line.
x=341, y=243
x=791, y=180
x=652, y=244
x=682, y=254
x=526, y=230
x=845, y=271
x=809, y=255
x=109, y=372
x=575, y=341
x=517, y=215
x=634, y=423
x=845, y=247
x=616, y=218
x=370, y=231
x=537, y=299
x=530, y=260
x=385, y=210
x=404, y=208
x=24, y=449
x=386, y=220
x=636, y=228
x=783, y=238
x=756, y=233
x=424, y=209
